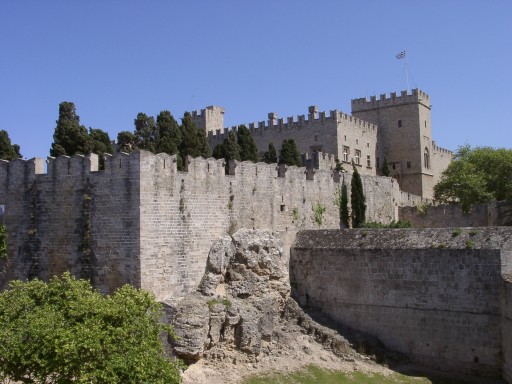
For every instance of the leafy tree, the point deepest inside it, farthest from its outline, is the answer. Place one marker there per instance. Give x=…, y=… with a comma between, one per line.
x=357, y=199
x=67, y=332
x=126, y=141
x=248, y=148
x=476, y=175
x=385, y=168
x=146, y=132
x=290, y=155
x=8, y=151
x=69, y=137
x=270, y=157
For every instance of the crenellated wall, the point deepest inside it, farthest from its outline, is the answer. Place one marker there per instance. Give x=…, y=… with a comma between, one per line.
x=142, y=222
x=440, y=296
x=72, y=218
x=318, y=132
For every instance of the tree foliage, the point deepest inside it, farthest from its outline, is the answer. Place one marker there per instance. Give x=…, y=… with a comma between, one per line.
x=67, y=332
x=290, y=155
x=270, y=157
x=385, y=168
x=476, y=175
x=341, y=201
x=69, y=137
x=8, y=151
x=248, y=148
x=3, y=241
x=357, y=199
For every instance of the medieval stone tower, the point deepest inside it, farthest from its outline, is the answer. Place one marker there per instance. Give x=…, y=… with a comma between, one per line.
x=405, y=138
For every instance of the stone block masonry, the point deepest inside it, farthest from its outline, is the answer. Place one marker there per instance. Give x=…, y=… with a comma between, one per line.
x=441, y=296
x=142, y=222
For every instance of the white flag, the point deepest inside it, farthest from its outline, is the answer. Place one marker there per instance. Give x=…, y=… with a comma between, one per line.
x=401, y=55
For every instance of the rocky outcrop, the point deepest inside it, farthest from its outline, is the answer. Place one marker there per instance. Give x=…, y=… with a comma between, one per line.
x=243, y=304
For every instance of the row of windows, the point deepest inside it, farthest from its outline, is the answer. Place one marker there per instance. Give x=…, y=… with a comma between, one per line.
x=400, y=123
x=426, y=160
x=357, y=157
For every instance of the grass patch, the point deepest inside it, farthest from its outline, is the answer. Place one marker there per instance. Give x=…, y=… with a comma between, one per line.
x=315, y=374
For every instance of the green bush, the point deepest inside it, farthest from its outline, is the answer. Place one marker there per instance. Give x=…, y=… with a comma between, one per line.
x=64, y=331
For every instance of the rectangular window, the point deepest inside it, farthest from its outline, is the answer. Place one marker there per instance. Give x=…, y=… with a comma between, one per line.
x=358, y=157
x=378, y=162
x=316, y=137
x=368, y=161
x=345, y=154
x=399, y=123
x=408, y=164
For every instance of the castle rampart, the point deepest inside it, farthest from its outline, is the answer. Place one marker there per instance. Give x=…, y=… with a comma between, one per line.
x=444, y=300
x=416, y=96
x=141, y=221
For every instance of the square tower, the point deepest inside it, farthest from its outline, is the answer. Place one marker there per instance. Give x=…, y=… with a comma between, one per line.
x=404, y=137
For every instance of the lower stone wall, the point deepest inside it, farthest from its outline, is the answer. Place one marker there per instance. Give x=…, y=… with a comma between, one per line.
x=451, y=215
x=435, y=295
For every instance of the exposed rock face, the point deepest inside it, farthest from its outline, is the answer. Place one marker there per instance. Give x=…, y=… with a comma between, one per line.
x=243, y=304
x=240, y=299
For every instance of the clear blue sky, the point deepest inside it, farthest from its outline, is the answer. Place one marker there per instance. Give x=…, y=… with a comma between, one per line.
x=114, y=59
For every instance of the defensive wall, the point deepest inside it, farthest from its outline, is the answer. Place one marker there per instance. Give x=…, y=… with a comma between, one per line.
x=140, y=221
x=441, y=296
x=496, y=213
x=318, y=132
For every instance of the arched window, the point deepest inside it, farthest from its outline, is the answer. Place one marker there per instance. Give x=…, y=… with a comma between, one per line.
x=426, y=158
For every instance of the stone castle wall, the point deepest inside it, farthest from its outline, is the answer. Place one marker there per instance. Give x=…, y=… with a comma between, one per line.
x=439, y=296
x=496, y=213
x=318, y=132
x=142, y=222
x=73, y=218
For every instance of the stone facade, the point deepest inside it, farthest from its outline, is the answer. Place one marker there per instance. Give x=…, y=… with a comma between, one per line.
x=142, y=222
x=439, y=296
x=395, y=128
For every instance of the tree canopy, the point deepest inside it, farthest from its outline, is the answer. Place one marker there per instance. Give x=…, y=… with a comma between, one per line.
x=290, y=155
x=8, y=151
x=67, y=332
x=476, y=175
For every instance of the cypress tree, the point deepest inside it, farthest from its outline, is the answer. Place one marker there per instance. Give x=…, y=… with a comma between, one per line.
x=8, y=151
x=248, y=148
x=385, y=168
x=270, y=157
x=357, y=199
x=69, y=137
x=169, y=135
x=231, y=148
x=189, y=139
x=146, y=132
x=344, y=214
x=289, y=153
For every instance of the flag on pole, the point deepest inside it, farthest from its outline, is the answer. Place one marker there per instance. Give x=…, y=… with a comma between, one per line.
x=401, y=55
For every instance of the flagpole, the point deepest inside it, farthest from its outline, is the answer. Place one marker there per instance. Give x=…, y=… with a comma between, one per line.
x=407, y=73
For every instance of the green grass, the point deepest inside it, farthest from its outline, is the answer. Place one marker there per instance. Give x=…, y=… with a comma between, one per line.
x=317, y=375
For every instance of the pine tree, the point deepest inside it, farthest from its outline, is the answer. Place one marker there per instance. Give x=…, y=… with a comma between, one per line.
x=100, y=143
x=8, y=151
x=126, y=141
x=69, y=137
x=189, y=139
x=289, y=153
x=248, y=148
x=357, y=199
x=270, y=157
x=231, y=148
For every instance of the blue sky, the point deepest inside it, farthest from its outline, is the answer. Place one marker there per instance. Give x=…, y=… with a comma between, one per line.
x=114, y=59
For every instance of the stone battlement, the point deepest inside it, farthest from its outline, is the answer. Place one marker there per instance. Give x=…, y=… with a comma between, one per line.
x=438, y=149
x=416, y=96
x=314, y=119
